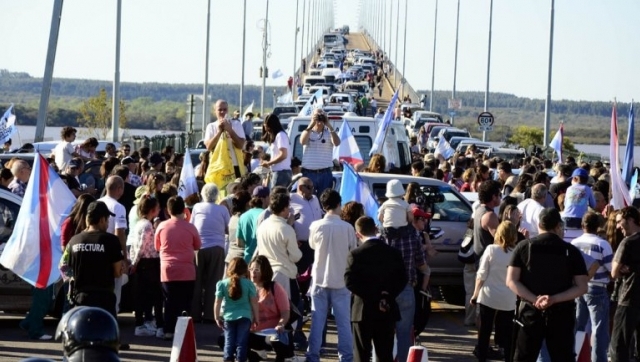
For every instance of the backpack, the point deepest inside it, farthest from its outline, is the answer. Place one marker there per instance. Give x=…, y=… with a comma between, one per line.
x=466, y=254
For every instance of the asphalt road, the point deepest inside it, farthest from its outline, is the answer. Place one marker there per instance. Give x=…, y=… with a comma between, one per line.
x=446, y=339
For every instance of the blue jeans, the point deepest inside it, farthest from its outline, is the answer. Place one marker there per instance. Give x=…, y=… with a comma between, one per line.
x=236, y=339
x=280, y=178
x=594, y=306
x=322, y=179
x=321, y=300
x=544, y=353
x=404, y=327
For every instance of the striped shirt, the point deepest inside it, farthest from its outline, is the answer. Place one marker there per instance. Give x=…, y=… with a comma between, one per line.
x=318, y=153
x=600, y=250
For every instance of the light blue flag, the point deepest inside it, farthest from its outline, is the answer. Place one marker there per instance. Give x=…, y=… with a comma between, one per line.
x=188, y=184
x=353, y=188
x=627, y=165
x=384, y=125
x=7, y=125
x=556, y=142
x=633, y=186
x=309, y=106
x=277, y=74
x=444, y=148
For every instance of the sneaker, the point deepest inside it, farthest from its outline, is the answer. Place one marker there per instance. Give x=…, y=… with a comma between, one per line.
x=160, y=332
x=151, y=325
x=261, y=353
x=143, y=331
x=168, y=336
x=45, y=337
x=293, y=359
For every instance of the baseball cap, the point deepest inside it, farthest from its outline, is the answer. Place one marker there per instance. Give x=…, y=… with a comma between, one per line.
x=98, y=210
x=74, y=164
x=261, y=191
x=580, y=172
x=417, y=212
x=128, y=160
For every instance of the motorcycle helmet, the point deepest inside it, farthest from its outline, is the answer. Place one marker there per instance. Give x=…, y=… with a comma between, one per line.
x=88, y=327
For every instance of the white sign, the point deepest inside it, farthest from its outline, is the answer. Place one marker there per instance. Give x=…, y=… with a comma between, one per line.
x=455, y=103
x=485, y=128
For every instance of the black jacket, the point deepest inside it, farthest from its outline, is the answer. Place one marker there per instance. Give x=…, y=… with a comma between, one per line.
x=374, y=268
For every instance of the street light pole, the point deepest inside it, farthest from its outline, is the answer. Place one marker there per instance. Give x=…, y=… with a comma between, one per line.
x=265, y=45
x=244, y=42
x=433, y=63
x=547, y=103
x=486, y=92
x=115, y=108
x=205, y=87
x=395, y=63
x=455, y=61
x=404, y=46
x=295, y=47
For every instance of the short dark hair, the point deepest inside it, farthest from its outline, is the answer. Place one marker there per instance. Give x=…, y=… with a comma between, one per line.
x=504, y=166
x=279, y=202
x=366, y=226
x=549, y=219
x=487, y=190
x=418, y=166
x=120, y=170
x=630, y=212
x=330, y=199
x=67, y=131
x=249, y=180
x=279, y=190
x=591, y=222
x=175, y=205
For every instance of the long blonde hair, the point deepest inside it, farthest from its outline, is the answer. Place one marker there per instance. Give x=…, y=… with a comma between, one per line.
x=506, y=236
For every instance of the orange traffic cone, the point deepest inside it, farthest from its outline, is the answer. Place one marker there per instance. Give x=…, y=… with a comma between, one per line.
x=184, y=341
x=418, y=354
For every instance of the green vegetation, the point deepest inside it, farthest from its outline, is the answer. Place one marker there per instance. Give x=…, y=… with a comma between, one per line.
x=164, y=106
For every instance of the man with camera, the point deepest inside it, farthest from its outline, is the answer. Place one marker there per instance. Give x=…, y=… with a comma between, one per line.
x=318, y=141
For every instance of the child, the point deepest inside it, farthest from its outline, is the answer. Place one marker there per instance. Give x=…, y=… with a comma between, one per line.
x=395, y=213
x=577, y=199
x=240, y=305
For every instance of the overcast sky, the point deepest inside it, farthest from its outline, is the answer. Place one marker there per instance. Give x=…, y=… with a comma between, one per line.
x=596, y=48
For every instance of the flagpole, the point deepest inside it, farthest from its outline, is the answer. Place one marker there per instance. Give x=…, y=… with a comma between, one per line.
x=244, y=42
x=547, y=103
x=48, y=70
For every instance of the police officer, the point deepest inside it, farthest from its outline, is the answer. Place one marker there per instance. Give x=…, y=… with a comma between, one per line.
x=89, y=334
x=547, y=274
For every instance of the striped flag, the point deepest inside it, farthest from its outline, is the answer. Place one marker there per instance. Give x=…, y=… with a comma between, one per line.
x=556, y=142
x=384, y=126
x=311, y=104
x=627, y=166
x=353, y=188
x=619, y=191
x=348, y=150
x=34, y=250
x=188, y=184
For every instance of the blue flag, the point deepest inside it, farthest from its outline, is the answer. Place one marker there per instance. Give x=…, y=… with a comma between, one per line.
x=627, y=166
x=353, y=188
x=384, y=125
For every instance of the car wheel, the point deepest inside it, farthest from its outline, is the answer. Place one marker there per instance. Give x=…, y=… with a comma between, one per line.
x=453, y=294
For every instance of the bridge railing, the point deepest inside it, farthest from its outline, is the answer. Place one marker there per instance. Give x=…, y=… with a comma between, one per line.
x=396, y=78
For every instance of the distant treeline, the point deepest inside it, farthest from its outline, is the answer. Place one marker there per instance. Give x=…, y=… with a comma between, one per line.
x=163, y=106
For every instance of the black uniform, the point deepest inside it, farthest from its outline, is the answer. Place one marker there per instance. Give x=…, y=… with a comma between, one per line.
x=547, y=266
x=91, y=257
x=627, y=317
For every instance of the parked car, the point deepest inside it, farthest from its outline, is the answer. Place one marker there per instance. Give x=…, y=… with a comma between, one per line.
x=15, y=293
x=451, y=211
x=279, y=109
x=455, y=141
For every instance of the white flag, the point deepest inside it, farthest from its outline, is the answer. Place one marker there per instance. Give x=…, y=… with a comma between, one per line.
x=188, y=184
x=277, y=74
x=249, y=109
x=285, y=99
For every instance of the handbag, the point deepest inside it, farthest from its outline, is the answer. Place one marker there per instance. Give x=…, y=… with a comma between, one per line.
x=466, y=254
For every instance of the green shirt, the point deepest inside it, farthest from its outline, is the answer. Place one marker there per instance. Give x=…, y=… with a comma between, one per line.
x=247, y=231
x=240, y=308
x=364, y=102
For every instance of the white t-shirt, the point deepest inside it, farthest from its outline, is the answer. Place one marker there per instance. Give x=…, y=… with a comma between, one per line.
x=394, y=212
x=530, y=210
x=212, y=131
x=120, y=220
x=63, y=153
x=281, y=141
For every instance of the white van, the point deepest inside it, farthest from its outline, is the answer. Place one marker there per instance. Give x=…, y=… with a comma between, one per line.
x=364, y=129
x=361, y=87
x=331, y=74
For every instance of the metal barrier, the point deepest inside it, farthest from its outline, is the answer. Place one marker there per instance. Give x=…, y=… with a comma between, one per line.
x=159, y=142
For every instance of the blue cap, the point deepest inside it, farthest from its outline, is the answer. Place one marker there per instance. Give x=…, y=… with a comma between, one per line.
x=581, y=172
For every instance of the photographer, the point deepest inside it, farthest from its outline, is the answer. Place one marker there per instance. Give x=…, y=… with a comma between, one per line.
x=318, y=141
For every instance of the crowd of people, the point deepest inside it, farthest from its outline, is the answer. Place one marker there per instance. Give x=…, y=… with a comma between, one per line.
x=249, y=255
